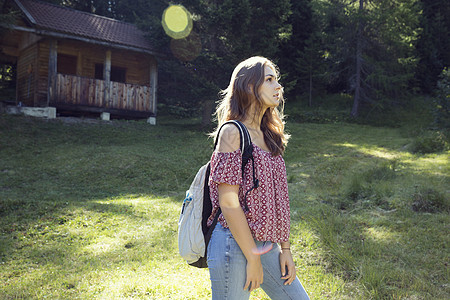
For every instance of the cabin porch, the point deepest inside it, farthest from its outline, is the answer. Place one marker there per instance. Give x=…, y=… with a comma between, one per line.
x=78, y=93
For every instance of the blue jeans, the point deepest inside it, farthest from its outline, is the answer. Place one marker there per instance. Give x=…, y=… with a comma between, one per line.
x=227, y=268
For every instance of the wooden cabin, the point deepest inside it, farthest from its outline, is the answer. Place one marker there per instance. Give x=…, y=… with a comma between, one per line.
x=77, y=61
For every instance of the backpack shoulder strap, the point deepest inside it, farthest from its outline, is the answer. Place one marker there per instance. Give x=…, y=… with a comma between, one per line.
x=247, y=148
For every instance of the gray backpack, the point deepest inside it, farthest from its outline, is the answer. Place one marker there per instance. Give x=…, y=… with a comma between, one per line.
x=193, y=232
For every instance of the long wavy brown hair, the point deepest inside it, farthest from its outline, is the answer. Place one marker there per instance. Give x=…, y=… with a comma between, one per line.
x=243, y=92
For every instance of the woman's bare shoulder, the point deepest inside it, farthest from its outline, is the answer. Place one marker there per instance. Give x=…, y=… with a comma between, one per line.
x=229, y=138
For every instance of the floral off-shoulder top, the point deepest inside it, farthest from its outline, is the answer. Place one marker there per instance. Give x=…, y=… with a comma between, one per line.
x=269, y=213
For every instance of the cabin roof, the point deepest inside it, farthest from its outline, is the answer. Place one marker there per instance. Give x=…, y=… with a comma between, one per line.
x=55, y=18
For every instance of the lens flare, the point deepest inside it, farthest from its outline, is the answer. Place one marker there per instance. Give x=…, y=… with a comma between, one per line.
x=177, y=22
x=186, y=49
x=262, y=250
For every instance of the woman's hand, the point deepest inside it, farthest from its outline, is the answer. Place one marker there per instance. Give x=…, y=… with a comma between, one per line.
x=287, y=266
x=255, y=275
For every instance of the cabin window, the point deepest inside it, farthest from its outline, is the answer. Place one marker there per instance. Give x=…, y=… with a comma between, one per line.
x=8, y=79
x=67, y=64
x=117, y=73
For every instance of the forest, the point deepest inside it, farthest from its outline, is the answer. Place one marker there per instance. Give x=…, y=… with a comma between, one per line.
x=377, y=54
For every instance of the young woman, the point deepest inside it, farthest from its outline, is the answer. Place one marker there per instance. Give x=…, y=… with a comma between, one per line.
x=250, y=248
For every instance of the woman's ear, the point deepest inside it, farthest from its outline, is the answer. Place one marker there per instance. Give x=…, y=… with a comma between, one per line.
x=250, y=88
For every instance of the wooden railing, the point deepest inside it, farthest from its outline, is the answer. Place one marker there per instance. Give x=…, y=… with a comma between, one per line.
x=75, y=90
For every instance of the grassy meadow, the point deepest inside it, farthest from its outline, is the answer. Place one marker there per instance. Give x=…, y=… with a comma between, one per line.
x=89, y=210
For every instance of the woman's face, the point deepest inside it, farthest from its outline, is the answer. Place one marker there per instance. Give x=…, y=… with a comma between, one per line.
x=270, y=91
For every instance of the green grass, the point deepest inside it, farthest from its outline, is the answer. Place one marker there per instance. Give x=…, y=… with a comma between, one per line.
x=89, y=210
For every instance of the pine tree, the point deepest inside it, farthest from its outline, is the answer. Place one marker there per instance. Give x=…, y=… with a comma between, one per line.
x=371, y=49
x=299, y=51
x=8, y=16
x=433, y=46
x=358, y=79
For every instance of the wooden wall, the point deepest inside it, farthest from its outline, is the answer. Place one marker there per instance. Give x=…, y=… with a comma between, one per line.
x=137, y=65
x=42, y=84
x=27, y=76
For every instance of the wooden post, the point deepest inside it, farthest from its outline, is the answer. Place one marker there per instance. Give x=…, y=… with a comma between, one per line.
x=79, y=64
x=38, y=101
x=52, y=70
x=107, y=78
x=153, y=84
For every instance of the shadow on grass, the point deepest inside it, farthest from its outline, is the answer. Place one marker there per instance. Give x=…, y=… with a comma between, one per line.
x=81, y=241
x=69, y=193
x=355, y=188
x=359, y=200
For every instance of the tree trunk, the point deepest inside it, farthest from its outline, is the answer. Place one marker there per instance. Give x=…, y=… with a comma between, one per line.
x=357, y=99
x=310, y=86
x=207, y=110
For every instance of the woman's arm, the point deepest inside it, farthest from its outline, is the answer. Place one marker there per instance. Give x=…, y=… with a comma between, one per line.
x=287, y=263
x=237, y=222
x=229, y=141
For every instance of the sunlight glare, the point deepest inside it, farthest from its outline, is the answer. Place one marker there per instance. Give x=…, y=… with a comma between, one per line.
x=373, y=151
x=177, y=22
